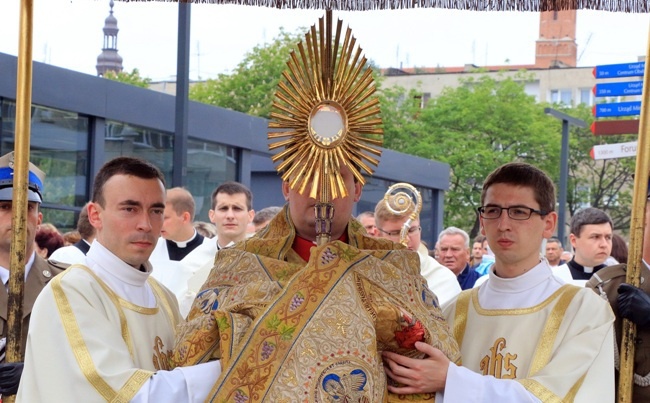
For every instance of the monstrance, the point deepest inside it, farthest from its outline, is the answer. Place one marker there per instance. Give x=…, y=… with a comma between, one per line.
x=325, y=116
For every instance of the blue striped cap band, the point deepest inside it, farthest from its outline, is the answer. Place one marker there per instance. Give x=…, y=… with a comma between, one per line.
x=35, y=185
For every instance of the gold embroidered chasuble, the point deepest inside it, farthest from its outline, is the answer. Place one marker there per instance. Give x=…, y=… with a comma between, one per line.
x=560, y=350
x=108, y=346
x=286, y=330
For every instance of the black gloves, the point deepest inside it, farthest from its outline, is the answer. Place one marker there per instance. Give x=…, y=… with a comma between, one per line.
x=634, y=304
x=10, y=377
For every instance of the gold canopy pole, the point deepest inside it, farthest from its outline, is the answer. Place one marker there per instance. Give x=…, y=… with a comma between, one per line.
x=639, y=200
x=21, y=169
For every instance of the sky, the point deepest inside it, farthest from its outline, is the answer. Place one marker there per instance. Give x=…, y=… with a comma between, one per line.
x=68, y=34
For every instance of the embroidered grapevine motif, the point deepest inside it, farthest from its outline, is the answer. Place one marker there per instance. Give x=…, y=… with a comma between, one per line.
x=296, y=301
x=327, y=256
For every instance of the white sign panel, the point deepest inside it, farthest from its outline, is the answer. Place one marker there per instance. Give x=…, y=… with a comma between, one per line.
x=609, y=151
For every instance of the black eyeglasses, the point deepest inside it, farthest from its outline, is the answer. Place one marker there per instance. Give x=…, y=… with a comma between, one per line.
x=516, y=213
x=396, y=233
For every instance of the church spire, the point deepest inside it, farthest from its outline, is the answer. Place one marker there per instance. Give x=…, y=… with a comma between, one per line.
x=109, y=60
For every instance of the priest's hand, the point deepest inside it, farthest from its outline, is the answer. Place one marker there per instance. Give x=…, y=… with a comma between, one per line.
x=634, y=304
x=10, y=374
x=417, y=375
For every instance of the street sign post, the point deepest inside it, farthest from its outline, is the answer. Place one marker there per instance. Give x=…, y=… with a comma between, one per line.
x=619, y=70
x=626, y=88
x=632, y=108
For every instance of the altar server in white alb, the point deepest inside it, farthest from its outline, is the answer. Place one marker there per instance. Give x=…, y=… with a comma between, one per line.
x=103, y=331
x=524, y=335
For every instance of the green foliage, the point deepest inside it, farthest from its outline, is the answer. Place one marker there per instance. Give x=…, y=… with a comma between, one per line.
x=474, y=128
x=132, y=78
x=489, y=121
x=251, y=87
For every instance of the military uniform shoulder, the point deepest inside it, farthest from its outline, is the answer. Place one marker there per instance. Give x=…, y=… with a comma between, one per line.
x=606, y=274
x=57, y=267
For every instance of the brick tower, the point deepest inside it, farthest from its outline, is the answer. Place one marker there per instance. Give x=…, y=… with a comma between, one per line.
x=556, y=46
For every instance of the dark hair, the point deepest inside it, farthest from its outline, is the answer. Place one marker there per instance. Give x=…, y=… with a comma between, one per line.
x=556, y=240
x=524, y=175
x=48, y=237
x=619, y=248
x=588, y=216
x=86, y=230
x=233, y=188
x=123, y=166
x=480, y=239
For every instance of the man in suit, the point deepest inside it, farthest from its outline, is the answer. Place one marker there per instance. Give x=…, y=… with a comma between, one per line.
x=38, y=271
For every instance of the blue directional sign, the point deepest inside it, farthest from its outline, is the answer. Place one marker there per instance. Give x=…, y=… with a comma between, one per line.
x=619, y=70
x=617, y=109
x=618, y=89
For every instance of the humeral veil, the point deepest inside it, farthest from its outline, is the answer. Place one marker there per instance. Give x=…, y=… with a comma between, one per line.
x=287, y=330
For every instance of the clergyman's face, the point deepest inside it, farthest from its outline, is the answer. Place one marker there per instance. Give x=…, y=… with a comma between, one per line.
x=231, y=216
x=301, y=207
x=173, y=224
x=391, y=229
x=515, y=243
x=130, y=221
x=593, y=245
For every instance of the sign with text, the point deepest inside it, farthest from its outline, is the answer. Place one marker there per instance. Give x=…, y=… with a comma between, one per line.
x=619, y=70
x=617, y=109
x=628, y=88
x=610, y=151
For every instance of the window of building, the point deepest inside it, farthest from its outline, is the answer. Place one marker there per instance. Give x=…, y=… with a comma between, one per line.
x=208, y=166
x=59, y=147
x=562, y=96
x=423, y=99
x=125, y=140
x=586, y=96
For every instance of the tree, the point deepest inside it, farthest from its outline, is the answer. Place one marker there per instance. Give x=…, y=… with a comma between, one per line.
x=604, y=184
x=251, y=87
x=475, y=127
x=132, y=78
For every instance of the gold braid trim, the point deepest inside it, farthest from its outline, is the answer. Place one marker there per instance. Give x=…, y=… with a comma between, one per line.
x=549, y=334
x=81, y=353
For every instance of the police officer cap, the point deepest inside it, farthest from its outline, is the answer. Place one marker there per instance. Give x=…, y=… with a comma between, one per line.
x=35, y=185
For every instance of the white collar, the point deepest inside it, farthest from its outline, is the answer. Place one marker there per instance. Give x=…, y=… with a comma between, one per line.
x=4, y=272
x=529, y=280
x=183, y=244
x=115, y=267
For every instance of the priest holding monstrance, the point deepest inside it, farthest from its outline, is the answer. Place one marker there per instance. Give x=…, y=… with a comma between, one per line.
x=303, y=310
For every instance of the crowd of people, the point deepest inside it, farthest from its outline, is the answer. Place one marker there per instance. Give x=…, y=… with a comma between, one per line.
x=145, y=302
